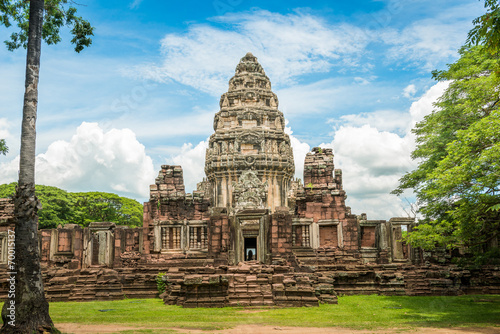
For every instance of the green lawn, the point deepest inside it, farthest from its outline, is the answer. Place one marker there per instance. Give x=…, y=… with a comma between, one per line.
x=358, y=312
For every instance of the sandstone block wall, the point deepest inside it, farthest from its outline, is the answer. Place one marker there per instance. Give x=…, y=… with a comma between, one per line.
x=169, y=201
x=220, y=236
x=280, y=238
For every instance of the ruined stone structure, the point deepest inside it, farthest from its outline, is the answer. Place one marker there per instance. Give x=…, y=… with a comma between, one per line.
x=250, y=234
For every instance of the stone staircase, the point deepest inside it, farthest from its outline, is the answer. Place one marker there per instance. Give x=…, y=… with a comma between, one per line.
x=249, y=284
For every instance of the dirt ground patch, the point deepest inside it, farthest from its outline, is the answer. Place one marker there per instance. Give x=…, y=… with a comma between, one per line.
x=259, y=329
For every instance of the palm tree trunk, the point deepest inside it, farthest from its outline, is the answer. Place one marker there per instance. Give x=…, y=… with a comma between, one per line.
x=31, y=307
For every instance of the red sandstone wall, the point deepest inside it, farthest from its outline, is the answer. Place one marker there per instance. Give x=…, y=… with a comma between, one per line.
x=168, y=200
x=220, y=238
x=323, y=198
x=328, y=236
x=368, y=236
x=6, y=214
x=280, y=238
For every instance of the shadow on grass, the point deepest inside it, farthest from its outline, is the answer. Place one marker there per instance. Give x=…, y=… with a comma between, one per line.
x=447, y=311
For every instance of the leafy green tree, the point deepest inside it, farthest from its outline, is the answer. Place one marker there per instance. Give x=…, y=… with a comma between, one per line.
x=60, y=207
x=457, y=181
x=8, y=190
x=36, y=20
x=486, y=29
x=3, y=147
x=99, y=206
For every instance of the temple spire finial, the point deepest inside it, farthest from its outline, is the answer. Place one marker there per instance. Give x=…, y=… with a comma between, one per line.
x=250, y=64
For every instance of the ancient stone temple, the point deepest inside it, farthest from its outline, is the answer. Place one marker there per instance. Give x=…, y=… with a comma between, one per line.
x=251, y=234
x=249, y=207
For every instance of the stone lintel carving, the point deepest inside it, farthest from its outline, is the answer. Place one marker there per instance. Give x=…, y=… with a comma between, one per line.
x=250, y=192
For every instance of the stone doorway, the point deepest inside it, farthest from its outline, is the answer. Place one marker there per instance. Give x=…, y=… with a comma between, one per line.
x=99, y=244
x=400, y=249
x=100, y=248
x=250, y=248
x=96, y=247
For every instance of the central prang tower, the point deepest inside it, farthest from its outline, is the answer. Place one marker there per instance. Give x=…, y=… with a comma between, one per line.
x=249, y=160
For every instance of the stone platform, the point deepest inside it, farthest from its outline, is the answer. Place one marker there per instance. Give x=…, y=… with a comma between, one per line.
x=252, y=284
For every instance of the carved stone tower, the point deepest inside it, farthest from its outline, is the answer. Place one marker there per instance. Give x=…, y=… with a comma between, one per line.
x=249, y=161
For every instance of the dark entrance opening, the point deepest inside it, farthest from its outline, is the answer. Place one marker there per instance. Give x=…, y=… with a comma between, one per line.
x=95, y=248
x=250, y=249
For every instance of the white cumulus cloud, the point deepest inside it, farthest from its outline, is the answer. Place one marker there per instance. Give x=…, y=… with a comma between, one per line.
x=409, y=91
x=424, y=105
x=300, y=149
x=382, y=120
x=4, y=128
x=93, y=160
x=192, y=160
x=373, y=156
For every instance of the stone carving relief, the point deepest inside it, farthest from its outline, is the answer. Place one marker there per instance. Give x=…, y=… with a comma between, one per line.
x=205, y=187
x=268, y=146
x=250, y=138
x=250, y=192
x=295, y=188
x=225, y=102
x=283, y=149
x=274, y=147
x=250, y=160
x=249, y=115
x=250, y=96
x=277, y=123
x=273, y=103
x=216, y=121
x=249, y=83
x=249, y=67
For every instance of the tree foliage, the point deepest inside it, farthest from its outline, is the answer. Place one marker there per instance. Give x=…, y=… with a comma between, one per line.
x=457, y=181
x=3, y=147
x=82, y=208
x=486, y=29
x=58, y=13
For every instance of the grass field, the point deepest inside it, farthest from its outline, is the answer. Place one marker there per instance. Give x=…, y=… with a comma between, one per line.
x=356, y=312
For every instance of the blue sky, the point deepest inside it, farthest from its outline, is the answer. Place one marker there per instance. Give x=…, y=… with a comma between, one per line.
x=351, y=75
